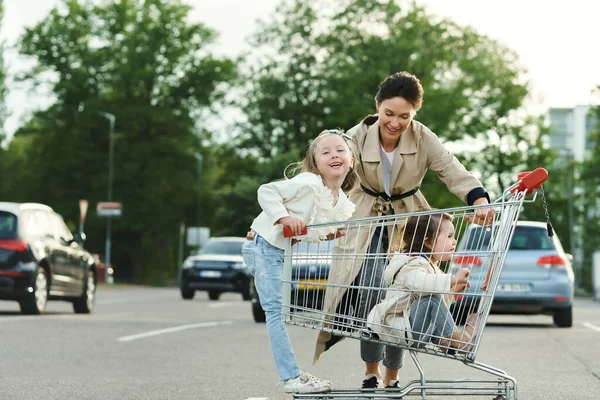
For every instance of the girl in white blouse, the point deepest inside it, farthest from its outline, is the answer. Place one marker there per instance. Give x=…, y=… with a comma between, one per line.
x=314, y=196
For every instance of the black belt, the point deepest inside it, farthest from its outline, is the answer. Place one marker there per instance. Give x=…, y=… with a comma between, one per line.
x=386, y=197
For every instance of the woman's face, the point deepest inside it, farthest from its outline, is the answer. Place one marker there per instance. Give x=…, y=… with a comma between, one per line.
x=445, y=242
x=395, y=115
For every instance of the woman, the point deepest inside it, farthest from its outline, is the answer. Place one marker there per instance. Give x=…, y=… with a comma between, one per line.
x=394, y=153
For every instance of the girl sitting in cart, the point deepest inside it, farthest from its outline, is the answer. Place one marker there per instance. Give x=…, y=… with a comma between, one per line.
x=415, y=310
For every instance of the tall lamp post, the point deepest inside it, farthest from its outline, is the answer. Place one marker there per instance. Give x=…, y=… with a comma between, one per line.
x=198, y=158
x=111, y=119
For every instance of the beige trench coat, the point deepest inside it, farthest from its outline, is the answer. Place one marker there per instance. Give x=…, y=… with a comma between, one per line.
x=419, y=150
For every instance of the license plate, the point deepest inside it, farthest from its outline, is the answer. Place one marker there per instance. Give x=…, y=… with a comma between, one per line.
x=513, y=287
x=210, y=274
x=311, y=284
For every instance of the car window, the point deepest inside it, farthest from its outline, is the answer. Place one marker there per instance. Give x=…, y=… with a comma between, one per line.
x=524, y=238
x=43, y=224
x=531, y=238
x=60, y=228
x=226, y=247
x=305, y=247
x=8, y=225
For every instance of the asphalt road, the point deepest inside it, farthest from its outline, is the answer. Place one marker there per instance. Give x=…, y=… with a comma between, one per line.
x=148, y=343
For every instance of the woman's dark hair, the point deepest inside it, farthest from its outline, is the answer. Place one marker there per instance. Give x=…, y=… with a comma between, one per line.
x=418, y=230
x=401, y=84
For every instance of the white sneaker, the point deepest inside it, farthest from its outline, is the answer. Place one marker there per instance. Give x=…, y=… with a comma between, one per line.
x=306, y=383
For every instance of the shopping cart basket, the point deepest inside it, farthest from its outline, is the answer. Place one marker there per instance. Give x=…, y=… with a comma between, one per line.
x=311, y=280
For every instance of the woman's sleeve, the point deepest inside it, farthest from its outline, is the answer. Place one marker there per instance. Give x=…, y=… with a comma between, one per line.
x=450, y=171
x=273, y=196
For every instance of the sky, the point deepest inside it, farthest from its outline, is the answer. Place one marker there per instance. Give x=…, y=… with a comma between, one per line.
x=557, y=41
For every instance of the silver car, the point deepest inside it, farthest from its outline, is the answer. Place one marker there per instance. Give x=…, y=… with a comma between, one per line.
x=537, y=277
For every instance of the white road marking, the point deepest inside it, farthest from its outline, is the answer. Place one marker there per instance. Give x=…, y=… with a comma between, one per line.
x=221, y=304
x=257, y=398
x=592, y=327
x=174, y=329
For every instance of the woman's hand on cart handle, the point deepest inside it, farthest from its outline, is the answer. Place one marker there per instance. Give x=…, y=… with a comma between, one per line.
x=483, y=216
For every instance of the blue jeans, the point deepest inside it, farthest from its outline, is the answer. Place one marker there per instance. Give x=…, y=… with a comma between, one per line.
x=430, y=320
x=266, y=263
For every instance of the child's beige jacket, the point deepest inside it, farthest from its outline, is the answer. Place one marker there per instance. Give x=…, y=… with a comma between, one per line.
x=407, y=278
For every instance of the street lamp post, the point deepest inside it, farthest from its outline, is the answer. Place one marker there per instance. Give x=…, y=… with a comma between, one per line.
x=111, y=119
x=198, y=158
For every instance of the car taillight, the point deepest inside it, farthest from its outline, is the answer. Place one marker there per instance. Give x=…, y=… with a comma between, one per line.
x=14, y=244
x=553, y=261
x=467, y=260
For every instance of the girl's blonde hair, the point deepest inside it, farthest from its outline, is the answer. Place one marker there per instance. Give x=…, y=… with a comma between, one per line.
x=309, y=164
x=417, y=231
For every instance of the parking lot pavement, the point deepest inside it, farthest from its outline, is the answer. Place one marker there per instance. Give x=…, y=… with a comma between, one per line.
x=148, y=343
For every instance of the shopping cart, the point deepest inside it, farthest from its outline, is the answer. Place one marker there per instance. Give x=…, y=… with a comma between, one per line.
x=305, y=281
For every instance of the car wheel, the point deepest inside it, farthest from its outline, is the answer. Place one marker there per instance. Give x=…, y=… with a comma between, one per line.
x=214, y=295
x=34, y=303
x=246, y=292
x=257, y=312
x=187, y=293
x=564, y=318
x=85, y=303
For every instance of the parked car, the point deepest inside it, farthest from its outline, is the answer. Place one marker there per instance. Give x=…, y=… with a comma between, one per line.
x=310, y=270
x=216, y=268
x=537, y=277
x=41, y=260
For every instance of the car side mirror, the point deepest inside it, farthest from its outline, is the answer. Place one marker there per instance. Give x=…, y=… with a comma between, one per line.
x=569, y=257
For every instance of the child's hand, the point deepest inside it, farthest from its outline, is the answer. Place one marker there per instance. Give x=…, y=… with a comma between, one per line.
x=295, y=224
x=462, y=274
x=459, y=281
x=337, y=234
x=459, y=287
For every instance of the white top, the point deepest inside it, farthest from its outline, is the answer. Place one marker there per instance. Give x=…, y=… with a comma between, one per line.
x=387, y=159
x=305, y=197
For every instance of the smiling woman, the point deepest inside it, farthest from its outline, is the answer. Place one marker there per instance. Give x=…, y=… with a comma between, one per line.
x=394, y=154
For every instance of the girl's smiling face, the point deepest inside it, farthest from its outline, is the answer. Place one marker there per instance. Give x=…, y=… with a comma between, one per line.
x=395, y=115
x=333, y=157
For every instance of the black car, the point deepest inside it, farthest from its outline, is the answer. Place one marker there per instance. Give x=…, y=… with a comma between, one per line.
x=310, y=269
x=41, y=260
x=216, y=268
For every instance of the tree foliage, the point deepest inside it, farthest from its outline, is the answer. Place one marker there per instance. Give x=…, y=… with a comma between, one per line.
x=146, y=63
x=3, y=113
x=590, y=195
x=317, y=64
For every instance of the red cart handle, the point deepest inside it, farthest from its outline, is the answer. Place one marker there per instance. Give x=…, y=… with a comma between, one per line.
x=530, y=181
x=287, y=232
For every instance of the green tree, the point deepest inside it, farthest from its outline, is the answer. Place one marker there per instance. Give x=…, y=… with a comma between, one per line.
x=3, y=112
x=590, y=183
x=321, y=69
x=144, y=62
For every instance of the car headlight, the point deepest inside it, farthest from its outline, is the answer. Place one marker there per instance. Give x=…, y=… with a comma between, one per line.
x=238, y=265
x=188, y=263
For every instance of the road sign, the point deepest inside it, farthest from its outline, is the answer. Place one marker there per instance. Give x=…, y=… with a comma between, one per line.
x=83, y=207
x=108, y=209
x=197, y=236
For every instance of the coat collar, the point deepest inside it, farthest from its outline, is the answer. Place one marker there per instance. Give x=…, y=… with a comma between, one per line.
x=407, y=145
x=371, y=151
